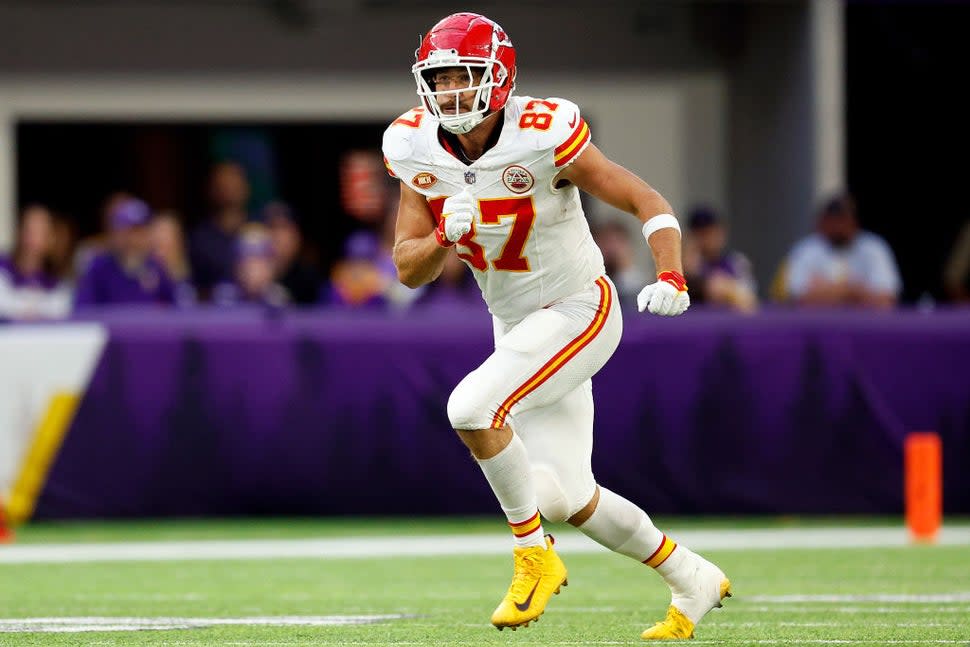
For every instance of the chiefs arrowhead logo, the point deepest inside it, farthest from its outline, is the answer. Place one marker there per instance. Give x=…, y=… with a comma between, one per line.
x=424, y=180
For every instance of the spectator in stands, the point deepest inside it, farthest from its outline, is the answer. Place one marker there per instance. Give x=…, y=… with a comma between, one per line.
x=842, y=264
x=956, y=273
x=63, y=246
x=168, y=248
x=212, y=244
x=100, y=242
x=254, y=282
x=357, y=280
x=620, y=258
x=127, y=272
x=716, y=274
x=363, y=188
x=291, y=268
x=29, y=288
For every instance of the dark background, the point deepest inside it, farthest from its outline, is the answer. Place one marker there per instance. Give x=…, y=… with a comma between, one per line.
x=908, y=133
x=72, y=166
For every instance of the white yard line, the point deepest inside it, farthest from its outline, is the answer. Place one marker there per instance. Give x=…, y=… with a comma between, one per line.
x=442, y=545
x=874, y=597
x=108, y=623
x=900, y=609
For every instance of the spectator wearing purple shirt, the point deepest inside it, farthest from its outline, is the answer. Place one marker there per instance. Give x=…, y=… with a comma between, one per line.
x=716, y=274
x=126, y=273
x=254, y=282
x=28, y=287
x=357, y=280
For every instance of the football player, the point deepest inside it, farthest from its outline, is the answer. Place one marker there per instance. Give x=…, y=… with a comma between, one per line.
x=496, y=178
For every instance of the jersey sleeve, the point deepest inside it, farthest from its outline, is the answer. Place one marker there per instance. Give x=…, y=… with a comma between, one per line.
x=398, y=144
x=387, y=166
x=568, y=132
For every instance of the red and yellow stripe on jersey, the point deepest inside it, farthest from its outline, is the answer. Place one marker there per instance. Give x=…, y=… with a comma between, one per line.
x=387, y=165
x=529, y=526
x=660, y=555
x=570, y=148
x=559, y=359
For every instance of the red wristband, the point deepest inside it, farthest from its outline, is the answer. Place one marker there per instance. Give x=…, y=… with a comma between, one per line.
x=676, y=279
x=439, y=234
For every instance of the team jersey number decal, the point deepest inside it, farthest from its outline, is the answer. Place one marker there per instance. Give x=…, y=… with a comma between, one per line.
x=410, y=119
x=537, y=120
x=493, y=211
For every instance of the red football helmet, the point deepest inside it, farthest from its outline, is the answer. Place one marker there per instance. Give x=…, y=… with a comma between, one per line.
x=471, y=41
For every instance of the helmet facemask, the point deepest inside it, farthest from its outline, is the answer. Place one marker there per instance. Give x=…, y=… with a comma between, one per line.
x=493, y=74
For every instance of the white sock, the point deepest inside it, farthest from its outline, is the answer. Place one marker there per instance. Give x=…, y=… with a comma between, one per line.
x=510, y=476
x=624, y=528
x=670, y=568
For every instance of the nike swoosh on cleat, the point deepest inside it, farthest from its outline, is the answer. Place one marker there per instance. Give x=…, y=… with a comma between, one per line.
x=528, y=601
x=572, y=122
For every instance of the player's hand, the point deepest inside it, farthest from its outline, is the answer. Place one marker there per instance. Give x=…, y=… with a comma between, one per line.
x=668, y=296
x=456, y=218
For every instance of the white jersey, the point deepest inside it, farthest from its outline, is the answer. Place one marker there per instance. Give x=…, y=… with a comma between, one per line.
x=530, y=244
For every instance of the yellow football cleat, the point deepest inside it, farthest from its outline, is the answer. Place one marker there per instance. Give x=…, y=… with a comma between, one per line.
x=698, y=587
x=538, y=575
x=675, y=626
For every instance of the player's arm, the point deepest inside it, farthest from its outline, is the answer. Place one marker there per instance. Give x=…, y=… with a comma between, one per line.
x=603, y=178
x=599, y=176
x=418, y=256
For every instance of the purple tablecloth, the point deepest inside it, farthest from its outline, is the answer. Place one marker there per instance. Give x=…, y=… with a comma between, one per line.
x=341, y=413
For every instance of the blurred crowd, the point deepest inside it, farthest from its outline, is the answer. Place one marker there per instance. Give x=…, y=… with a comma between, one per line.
x=234, y=257
x=231, y=257
x=838, y=265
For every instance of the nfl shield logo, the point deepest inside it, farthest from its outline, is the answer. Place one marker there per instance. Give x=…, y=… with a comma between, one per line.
x=469, y=177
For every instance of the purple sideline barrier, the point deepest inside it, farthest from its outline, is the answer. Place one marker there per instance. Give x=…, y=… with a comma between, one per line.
x=321, y=412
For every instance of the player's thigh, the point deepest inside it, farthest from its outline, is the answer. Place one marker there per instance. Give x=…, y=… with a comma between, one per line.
x=520, y=352
x=594, y=332
x=539, y=360
x=559, y=440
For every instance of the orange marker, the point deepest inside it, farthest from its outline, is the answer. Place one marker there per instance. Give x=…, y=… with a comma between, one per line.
x=923, y=473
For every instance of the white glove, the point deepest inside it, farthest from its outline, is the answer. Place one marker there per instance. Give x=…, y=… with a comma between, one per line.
x=456, y=216
x=668, y=296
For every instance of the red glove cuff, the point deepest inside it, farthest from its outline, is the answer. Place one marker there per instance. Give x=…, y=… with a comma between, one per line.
x=676, y=279
x=439, y=234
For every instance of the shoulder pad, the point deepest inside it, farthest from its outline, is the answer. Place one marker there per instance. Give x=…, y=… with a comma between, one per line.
x=399, y=136
x=553, y=123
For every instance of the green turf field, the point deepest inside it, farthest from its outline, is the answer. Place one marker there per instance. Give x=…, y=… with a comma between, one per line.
x=905, y=595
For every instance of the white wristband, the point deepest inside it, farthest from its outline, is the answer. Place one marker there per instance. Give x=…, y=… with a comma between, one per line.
x=660, y=221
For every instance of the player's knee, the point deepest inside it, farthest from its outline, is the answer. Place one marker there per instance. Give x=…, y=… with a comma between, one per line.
x=466, y=408
x=554, y=505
